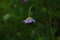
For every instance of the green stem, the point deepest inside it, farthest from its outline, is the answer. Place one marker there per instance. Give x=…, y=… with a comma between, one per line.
x=29, y=11
x=49, y=19
x=38, y=35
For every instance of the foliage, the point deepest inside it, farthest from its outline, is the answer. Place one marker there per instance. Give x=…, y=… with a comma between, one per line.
x=45, y=12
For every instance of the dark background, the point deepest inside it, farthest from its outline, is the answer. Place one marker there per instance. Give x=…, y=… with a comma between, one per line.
x=45, y=12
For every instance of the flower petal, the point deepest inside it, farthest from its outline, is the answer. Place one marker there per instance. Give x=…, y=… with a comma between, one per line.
x=29, y=21
x=33, y=20
x=26, y=21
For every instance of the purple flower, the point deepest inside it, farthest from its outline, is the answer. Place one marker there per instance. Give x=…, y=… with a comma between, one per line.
x=29, y=20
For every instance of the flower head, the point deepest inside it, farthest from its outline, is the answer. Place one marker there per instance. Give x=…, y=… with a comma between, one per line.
x=29, y=20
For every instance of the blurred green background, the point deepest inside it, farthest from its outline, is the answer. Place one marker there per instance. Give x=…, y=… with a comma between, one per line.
x=13, y=12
